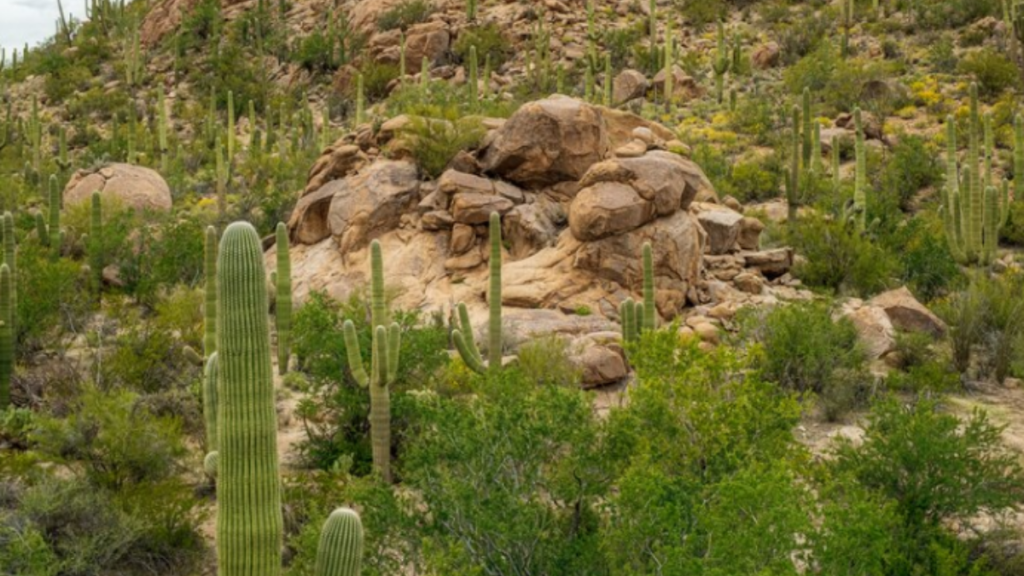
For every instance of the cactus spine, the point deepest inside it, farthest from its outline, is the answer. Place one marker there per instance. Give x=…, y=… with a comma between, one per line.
x=860, y=179
x=249, y=521
x=721, y=63
x=637, y=317
x=383, y=364
x=210, y=374
x=463, y=335
x=96, y=243
x=210, y=289
x=6, y=337
x=340, y=552
x=283, y=302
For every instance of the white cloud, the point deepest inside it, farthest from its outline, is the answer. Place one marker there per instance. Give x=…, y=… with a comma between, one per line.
x=30, y=21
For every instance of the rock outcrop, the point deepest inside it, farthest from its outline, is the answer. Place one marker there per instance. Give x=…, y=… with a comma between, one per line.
x=125, y=185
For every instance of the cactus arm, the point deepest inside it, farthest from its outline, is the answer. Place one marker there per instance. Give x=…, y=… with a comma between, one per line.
x=210, y=402
x=380, y=407
x=466, y=328
x=394, y=345
x=378, y=305
x=41, y=231
x=465, y=348
x=808, y=131
x=494, y=345
x=355, y=361
x=210, y=289
x=793, y=180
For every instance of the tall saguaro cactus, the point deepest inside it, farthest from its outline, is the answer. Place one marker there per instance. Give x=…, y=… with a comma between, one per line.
x=96, y=242
x=6, y=337
x=637, y=317
x=861, y=176
x=249, y=521
x=340, y=551
x=793, y=173
x=283, y=304
x=721, y=63
x=383, y=364
x=463, y=335
x=210, y=289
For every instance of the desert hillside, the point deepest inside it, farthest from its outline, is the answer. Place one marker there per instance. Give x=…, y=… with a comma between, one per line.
x=513, y=288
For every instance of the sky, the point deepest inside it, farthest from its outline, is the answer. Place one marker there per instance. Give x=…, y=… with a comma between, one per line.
x=31, y=21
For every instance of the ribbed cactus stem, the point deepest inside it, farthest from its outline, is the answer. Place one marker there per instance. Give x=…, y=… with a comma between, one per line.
x=650, y=311
x=283, y=301
x=11, y=259
x=607, y=79
x=210, y=464
x=231, y=126
x=991, y=224
x=669, y=60
x=952, y=216
x=340, y=551
x=210, y=290
x=385, y=350
x=837, y=178
x=494, y=345
x=96, y=259
x=249, y=521
x=627, y=317
x=793, y=181
x=6, y=337
x=210, y=402
x=1018, y=158
x=816, y=167
x=474, y=80
x=860, y=179
x=41, y=230
x=54, y=226
x=808, y=131
x=989, y=150
x=721, y=63
x=974, y=204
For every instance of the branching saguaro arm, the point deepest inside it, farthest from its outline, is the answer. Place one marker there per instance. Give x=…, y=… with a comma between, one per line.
x=249, y=521
x=463, y=335
x=385, y=349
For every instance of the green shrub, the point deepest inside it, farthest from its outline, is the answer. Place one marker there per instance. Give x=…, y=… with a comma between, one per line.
x=805, y=350
x=406, y=14
x=942, y=14
x=489, y=42
x=925, y=262
x=201, y=25
x=545, y=361
x=839, y=259
x=936, y=470
x=912, y=166
x=755, y=181
x=701, y=14
x=376, y=79
x=757, y=117
x=805, y=36
x=50, y=303
x=986, y=323
x=1013, y=231
x=316, y=52
x=840, y=82
x=993, y=71
x=942, y=55
x=434, y=141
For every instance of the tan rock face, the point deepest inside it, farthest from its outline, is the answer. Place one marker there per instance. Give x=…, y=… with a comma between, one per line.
x=163, y=18
x=130, y=186
x=529, y=228
x=365, y=13
x=546, y=142
x=766, y=56
x=906, y=313
x=684, y=87
x=372, y=202
x=723, y=228
x=601, y=365
x=628, y=85
x=476, y=207
x=337, y=161
x=875, y=330
x=606, y=209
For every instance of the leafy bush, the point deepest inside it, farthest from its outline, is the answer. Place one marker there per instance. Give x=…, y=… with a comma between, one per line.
x=545, y=361
x=805, y=350
x=50, y=303
x=838, y=258
x=993, y=71
x=406, y=14
x=925, y=261
x=840, y=81
x=434, y=141
x=202, y=24
x=940, y=14
x=756, y=180
x=489, y=42
x=987, y=318
x=913, y=165
x=935, y=469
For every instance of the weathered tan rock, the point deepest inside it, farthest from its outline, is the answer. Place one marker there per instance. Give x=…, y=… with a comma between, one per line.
x=528, y=228
x=371, y=202
x=600, y=365
x=162, y=18
x=454, y=182
x=874, y=329
x=771, y=263
x=308, y=221
x=365, y=13
x=476, y=207
x=722, y=226
x=437, y=220
x=337, y=161
x=628, y=85
x=684, y=87
x=658, y=177
x=632, y=149
x=124, y=185
x=548, y=141
x=766, y=56
x=906, y=313
x=463, y=238
x=621, y=126
x=750, y=234
x=606, y=209
x=749, y=283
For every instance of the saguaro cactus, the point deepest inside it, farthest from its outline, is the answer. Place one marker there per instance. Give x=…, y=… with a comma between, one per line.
x=11, y=260
x=1018, y=158
x=721, y=63
x=340, y=552
x=383, y=364
x=210, y=289
x=96, y=242
x=52, y=231
x=283, y=302
x=638, y=317
x=463, y=335
x=861, y=176
x=808, y=130
x=249, y=521
x=210, y=374
x=793, y=173
x=6, y=337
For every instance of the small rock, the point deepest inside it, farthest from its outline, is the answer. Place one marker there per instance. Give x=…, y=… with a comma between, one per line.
x=628, y=85
x=633, y=149
x=437, y=220
x=463, y=238
x=749, y=283
x=708, y=332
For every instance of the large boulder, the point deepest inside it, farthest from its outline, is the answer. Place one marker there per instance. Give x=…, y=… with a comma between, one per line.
x=548, y=141
x=372, y=202
x=876, y=332
x=529, y=228
x=607, y=209
x=723, y=226
x=337, y=161
x=428, y=40
x=658, y=177
x=906, y=313
x=476, y=208
x=130, y=186
x=366, y=13
x=628, y=85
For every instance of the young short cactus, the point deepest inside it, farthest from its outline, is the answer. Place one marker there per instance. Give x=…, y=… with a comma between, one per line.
x=210, y=374
x=637, y=317
x=463, y=335
x=249, y=520
x=210, y=293
x=383, y=365
x=340, y=552
x=6, y=337
x=861, y=176
x=283, y=301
